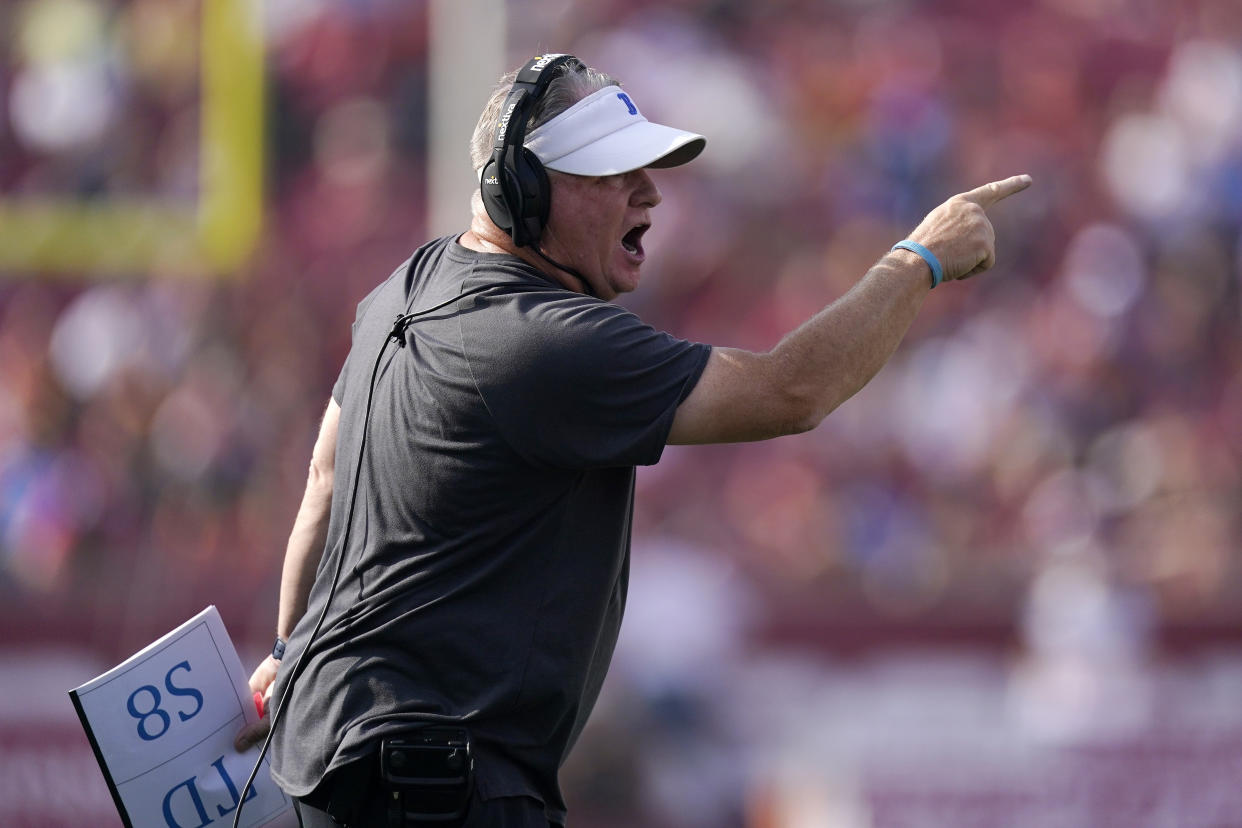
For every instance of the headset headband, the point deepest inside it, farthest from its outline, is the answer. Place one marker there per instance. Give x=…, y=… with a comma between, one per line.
x=513, y=183
x=531, y=82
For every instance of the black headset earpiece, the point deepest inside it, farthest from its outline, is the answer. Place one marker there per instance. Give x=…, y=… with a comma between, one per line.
x=514, y=184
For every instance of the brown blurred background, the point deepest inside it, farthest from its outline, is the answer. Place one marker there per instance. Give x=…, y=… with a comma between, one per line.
x=998, y=587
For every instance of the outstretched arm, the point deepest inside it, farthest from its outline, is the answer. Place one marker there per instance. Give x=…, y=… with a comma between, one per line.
x=305, y=547
x=825, y=361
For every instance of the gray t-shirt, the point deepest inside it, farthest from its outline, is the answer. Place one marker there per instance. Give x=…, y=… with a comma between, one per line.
x=486, y=568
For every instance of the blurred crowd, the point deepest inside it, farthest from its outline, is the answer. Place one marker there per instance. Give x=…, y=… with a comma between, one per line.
x=1052, y=458
x=1073, y=412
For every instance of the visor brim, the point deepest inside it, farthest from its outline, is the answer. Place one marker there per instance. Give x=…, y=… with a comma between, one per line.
x=641, y=144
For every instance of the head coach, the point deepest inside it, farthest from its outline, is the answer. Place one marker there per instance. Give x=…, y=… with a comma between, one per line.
x=455, y=577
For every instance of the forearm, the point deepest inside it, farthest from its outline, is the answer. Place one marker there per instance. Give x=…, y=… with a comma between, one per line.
x=302, y=554
x=310, y=527
x=828, y=359
x=746, y=396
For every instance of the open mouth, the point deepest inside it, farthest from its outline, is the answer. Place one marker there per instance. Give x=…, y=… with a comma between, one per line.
x=633, y=240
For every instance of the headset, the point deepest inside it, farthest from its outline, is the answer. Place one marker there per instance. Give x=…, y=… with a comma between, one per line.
x=514, y=184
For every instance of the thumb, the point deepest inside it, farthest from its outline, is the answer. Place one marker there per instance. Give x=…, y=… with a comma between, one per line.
x=251, y=735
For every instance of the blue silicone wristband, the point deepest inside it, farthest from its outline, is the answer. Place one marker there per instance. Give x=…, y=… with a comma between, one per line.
x=928, y=256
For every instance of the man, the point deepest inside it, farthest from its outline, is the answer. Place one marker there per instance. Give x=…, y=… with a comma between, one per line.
x=465, y=564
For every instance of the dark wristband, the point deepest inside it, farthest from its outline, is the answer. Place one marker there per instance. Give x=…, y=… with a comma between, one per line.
x=278, y=649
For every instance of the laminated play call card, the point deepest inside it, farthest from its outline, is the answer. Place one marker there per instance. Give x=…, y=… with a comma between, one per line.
x=162, y=725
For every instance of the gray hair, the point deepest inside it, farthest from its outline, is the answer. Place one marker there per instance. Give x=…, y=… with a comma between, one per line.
x=573, y=82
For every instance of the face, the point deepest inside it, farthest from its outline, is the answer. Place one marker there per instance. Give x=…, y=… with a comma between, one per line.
x=596, y=226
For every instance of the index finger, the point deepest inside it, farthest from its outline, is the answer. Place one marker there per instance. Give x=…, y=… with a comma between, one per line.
x=989, y=194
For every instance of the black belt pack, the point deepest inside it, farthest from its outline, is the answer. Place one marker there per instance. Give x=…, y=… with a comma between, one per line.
x=427, y=775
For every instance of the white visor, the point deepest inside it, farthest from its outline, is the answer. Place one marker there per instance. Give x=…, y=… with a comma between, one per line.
x=605, y=134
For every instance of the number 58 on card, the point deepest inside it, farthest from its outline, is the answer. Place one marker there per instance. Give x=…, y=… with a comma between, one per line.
x=162, y=723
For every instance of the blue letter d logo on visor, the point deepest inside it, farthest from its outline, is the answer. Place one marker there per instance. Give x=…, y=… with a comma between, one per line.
x=628, y=103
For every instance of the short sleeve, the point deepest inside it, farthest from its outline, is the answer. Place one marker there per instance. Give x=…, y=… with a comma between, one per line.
x=338, y=389
x=573, y=382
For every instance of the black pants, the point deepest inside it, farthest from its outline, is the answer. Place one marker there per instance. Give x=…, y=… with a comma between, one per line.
x=507, y=812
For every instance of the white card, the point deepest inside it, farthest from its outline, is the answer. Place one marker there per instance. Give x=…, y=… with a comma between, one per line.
x=162, y=724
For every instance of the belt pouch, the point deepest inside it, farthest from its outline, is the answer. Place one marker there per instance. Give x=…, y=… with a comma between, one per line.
x=428, y=776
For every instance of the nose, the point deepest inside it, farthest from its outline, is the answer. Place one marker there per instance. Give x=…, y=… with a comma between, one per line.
x=645, y=192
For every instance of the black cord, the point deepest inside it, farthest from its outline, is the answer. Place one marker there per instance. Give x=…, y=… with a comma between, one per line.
x=586, y=286
x=397, y=333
